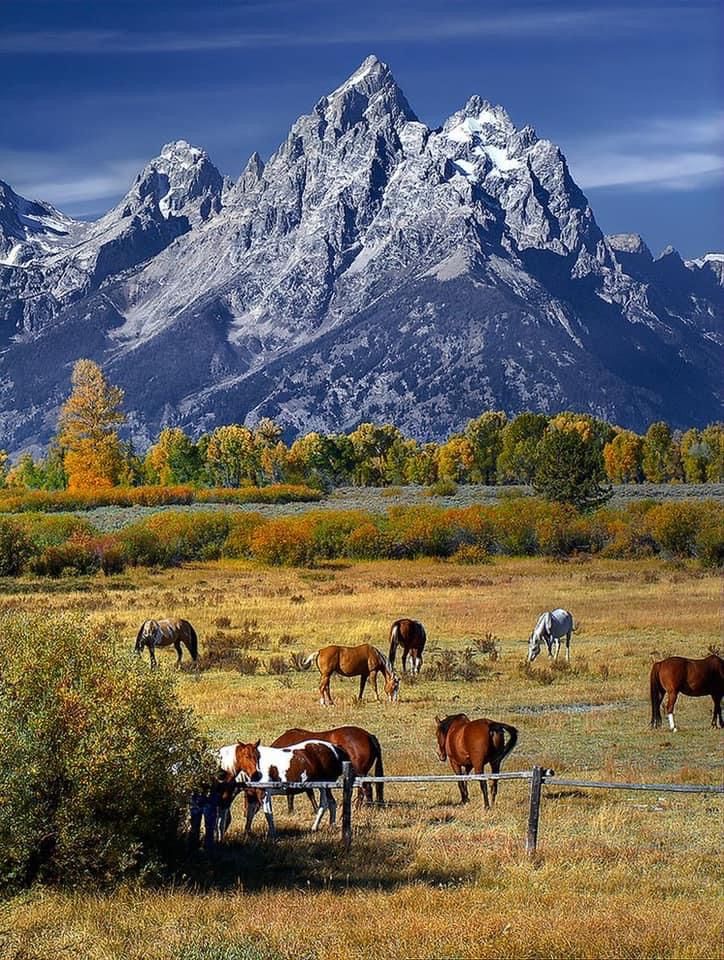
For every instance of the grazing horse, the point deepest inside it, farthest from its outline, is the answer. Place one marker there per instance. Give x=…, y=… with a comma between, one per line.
x=309, y=760
x=163, y=633
x=411, y=634
x=362, y=748
x=551, y=626
x=470, y=744
x=363, y=661
x=694, y=678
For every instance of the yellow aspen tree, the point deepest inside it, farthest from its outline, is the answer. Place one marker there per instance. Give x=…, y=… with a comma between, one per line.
x=87, y=429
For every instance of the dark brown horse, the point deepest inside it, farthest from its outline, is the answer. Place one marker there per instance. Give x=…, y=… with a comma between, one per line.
x=470, y=744
x=694, y=678
x=308, y=760
x=411, y=634
x=163, y=633
x=363, y=661
x=362, y=748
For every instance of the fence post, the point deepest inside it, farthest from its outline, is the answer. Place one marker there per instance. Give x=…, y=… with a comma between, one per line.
x=536, y=782
x=347, y=788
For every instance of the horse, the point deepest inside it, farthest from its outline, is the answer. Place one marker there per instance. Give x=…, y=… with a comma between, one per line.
x=411, y=634
x=362, y=748
x=694, y=678
x=470, y=744
x=308, y=760
x=163, y=633
x=551, y=626
x=363, y=661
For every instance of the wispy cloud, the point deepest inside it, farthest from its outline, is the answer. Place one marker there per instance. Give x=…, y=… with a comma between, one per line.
x=666, y=153
x=67, y=180
x=396, y=25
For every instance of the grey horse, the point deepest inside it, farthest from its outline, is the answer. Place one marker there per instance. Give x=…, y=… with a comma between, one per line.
x=551, y=627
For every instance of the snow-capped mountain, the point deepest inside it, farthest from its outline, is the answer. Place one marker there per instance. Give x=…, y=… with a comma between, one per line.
x=372, y=268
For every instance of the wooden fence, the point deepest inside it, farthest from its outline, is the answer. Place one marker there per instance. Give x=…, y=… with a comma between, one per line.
x=538, y=778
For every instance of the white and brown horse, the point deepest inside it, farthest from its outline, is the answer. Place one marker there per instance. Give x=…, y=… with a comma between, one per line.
x=165, y=633
x=363, y=661
x=411, y=635
x=310, y=760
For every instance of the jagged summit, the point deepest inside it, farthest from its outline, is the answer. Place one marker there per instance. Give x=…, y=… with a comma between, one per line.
x=372, y=268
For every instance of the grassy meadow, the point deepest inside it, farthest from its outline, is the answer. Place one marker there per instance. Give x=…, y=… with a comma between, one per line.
x=617, y=874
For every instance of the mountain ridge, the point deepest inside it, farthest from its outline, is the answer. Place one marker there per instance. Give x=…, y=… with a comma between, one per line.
x=371, y=268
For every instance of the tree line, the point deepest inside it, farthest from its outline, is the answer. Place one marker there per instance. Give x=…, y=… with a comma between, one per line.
x=566, y=456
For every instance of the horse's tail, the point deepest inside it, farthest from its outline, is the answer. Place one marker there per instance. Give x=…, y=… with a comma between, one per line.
x=656, y=692
x=379, y=769
x=192, y=643
x=512, y=738
x=394, y=640
x=423, y=641
x=308, y=661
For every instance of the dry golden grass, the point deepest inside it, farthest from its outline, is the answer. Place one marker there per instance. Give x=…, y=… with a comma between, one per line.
x=617, y=875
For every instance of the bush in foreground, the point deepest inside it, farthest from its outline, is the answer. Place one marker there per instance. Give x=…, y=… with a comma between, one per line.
x=97, y=758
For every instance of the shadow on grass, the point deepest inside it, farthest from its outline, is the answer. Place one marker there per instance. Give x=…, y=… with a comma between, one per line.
x=300, y=862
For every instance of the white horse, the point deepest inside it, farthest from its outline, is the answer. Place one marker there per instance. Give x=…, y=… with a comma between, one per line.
x=551, y=627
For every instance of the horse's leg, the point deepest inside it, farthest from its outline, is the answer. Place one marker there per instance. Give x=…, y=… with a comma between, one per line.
x=568, y=647
x=716, y=719
x=556, y=641
x=462, y=785
x=363, y=684
x=154, y=663
x=177, y=648
x=671, y=696
x=405, y=654
x=323, y=807
x=374, y=681
x=252, y=808
x=268, y=813
x=494, y=768
x=324, y=690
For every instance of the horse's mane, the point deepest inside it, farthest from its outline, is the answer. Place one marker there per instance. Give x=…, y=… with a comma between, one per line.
x=385, y=661
x=446, y=722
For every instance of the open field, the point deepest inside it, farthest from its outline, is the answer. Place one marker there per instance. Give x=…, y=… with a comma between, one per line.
x=618, y=875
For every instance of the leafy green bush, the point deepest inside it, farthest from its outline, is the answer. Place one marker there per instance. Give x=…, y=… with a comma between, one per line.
x=16, y=548
x=97, y=757
x=75, y=556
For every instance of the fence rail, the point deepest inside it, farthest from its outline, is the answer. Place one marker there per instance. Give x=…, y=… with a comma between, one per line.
x=538, y=777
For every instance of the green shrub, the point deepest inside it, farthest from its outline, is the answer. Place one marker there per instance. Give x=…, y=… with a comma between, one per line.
x=16, y=548
x=710, y=542
x=97, y=757
x=53, y=529
x=75, y=556
x=442, y=488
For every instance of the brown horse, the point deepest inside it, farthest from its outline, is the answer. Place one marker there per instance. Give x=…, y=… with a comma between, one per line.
x=694, y=678
x=470, y=744
x=363, y=661
x=308, y=760
x=163, y=633
x=362, y=748
x=411, y=634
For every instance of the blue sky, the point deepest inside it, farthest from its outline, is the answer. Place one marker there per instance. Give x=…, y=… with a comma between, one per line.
x=630, y=90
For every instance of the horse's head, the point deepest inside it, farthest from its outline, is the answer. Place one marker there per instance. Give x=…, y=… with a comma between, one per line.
x=246, y=765
x=440, y=733
x=146, y=635
x=392, y=686
x=533, y=647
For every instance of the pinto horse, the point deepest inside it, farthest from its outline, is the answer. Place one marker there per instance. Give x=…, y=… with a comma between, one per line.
x=362, y=748
x=308, y=760
x=363, y=661
x=163, y=633
x=694, y=678
x=411, y=634
x=470, y=744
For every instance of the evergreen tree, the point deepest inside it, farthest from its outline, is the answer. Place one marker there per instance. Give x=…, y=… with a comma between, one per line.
x=569, y=469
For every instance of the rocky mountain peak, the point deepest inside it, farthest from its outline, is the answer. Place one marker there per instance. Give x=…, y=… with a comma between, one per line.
x=369, y=94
